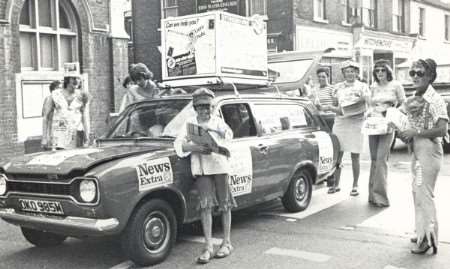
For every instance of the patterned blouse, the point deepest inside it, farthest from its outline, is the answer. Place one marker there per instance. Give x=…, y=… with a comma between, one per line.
x=434, y=109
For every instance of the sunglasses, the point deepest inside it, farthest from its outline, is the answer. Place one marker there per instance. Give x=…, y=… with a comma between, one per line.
x=419, y=73
x=378, y=70
x=204, y=106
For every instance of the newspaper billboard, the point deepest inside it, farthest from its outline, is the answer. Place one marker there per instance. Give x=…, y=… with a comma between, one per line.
x=214, y=44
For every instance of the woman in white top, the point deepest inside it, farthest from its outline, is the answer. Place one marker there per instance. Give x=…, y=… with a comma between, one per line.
x=210, y=171
x=65, y=116
x=385, y=92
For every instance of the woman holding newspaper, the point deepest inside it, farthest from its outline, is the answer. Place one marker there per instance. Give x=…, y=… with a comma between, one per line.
x=428, y=123
x=352, y=98
x=385, y=92
x=209, y=167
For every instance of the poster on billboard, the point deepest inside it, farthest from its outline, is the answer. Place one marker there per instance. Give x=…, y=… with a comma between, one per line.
x=214, y=44
x=231, y=6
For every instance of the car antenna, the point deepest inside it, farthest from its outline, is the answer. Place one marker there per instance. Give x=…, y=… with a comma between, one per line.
x=278, y=90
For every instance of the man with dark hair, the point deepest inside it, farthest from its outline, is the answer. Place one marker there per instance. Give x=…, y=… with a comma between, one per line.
x=323, y=96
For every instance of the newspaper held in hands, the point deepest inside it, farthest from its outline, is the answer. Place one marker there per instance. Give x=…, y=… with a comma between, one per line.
x=199, y=135
x=397, y=118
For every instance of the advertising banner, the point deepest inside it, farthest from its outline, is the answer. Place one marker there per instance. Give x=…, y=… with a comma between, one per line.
x=214, y=44
x=231, y=6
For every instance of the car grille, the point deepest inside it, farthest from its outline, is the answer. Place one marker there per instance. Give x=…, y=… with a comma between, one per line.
x=40, y=188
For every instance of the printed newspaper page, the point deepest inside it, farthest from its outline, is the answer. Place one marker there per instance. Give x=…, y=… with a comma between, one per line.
x=200, y=136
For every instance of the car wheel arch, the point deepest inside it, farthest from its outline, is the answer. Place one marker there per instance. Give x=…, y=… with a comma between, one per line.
x=305, y=165
x=173, y=197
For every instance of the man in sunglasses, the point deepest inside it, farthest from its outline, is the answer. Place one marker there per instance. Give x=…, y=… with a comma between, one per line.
x=210, y=171
x=428, y=126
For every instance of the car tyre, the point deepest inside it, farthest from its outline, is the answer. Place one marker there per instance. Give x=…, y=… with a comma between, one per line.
x=41, y=238
x=150, y=233
x=298, y=194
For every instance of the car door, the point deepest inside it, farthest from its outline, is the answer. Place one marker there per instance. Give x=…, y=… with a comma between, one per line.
x=249, y=155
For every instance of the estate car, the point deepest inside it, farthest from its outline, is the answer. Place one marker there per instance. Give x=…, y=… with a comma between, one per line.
x=132, y=184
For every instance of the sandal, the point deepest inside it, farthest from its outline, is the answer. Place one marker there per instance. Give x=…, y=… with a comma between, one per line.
x=224, y=251
x=331, y=190
x=205, y=257
x=354, y=192
x=337, y=189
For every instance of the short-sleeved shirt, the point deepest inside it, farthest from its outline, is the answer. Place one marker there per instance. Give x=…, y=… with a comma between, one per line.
x=136, y=93
x=324, y=95
x=205, y=164
x=434, y=109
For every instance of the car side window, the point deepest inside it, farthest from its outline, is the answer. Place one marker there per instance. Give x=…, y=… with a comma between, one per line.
x=274, y=118
x=240, y=120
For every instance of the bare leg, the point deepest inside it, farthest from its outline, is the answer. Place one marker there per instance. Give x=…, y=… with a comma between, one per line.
x=226, y=223
x=337, y=174
x=355, y=169
x=206, y=219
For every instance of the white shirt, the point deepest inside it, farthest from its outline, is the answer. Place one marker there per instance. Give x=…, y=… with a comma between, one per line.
x=205, y=164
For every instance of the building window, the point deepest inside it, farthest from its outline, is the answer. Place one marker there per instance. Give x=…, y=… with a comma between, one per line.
x=349, y=12
x=257, y=7
x=447, y=28
x=421, y=21
x=128, y=21
x=398, y=11
x=369, y=13
x=48, y=35
x=170, y=8
x=320, y=10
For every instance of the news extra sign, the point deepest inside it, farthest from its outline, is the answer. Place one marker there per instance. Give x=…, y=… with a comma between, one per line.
x=154, y=173
x=231, y=6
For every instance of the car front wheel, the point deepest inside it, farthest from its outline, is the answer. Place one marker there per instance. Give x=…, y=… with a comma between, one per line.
x=41, y=238
x=151, y=233
x=298, y=194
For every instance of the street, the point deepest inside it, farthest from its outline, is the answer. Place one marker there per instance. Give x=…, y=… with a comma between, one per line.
x=336, y=231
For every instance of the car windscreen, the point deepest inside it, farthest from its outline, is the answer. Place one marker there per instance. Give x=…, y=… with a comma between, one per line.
x=156, y=119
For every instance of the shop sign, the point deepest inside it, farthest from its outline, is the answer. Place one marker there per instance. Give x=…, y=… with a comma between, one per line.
x=231, y=6
x=385, y=44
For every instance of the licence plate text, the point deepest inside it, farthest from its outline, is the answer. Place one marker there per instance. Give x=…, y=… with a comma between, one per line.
x=41, y=206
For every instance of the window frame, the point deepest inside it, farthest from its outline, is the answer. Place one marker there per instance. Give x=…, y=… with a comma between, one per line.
x=421, y=21
x=55, y=31
x=447, y=27
x=320, y=15
x=369, y=14
x=250, y=4
x=165, y=8
x=398, y=16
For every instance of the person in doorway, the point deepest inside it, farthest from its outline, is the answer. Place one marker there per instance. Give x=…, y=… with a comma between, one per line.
x=352, y=98
x=324, y=96
x=210, y=171
x=428, y=124
x=385, y=92
x=46, y=130
x=127, y=83
x=66, y=118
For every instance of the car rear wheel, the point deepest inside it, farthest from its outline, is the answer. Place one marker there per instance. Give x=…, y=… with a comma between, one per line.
x=151, y=233
x=41, y=238
x=298, y=194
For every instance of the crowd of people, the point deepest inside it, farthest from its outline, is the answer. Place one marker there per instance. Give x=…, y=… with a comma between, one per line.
x=66, y=125
x=427, y=123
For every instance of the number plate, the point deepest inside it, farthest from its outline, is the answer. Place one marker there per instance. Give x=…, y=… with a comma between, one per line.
x=41, y=206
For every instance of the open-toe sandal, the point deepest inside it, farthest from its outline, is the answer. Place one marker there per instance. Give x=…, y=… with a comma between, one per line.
x=354, y=192
x=205, y=257
x=224, y=251
x=331, y=190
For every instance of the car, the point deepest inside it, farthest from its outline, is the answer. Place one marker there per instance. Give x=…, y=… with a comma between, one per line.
x=132, y=184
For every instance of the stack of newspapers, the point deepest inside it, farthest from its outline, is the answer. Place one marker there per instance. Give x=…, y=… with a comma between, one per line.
x=199, y=135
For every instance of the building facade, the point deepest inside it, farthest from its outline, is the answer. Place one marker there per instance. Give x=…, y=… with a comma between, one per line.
x=363, y=30
x=36, y=38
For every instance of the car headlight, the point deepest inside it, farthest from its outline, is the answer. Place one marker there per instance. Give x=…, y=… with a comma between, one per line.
x=2, y=184
x=88, y=190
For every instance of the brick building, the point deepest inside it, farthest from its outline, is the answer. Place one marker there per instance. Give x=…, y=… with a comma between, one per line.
x=365, y=30
x=36, y=38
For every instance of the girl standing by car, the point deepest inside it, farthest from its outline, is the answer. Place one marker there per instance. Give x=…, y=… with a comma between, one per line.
x=428, y=125
x=352, y=98
x=210, y=171
x=385, y=93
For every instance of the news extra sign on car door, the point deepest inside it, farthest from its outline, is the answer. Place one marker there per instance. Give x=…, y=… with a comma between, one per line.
x=214, y=44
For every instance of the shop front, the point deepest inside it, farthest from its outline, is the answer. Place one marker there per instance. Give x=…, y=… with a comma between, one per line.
x=371, y=46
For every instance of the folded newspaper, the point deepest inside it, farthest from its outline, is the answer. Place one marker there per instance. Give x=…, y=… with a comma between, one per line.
x=396, y=117
x=199, y=135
